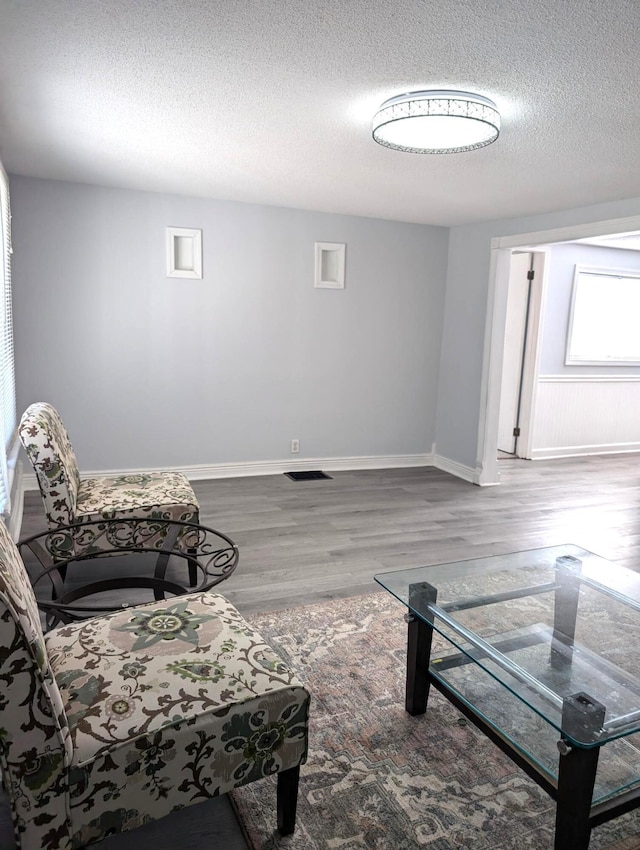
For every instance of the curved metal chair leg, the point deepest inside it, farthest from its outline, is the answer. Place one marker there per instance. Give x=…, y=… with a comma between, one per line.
x=193, y=568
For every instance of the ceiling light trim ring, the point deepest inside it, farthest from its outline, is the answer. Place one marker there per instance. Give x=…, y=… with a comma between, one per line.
x=437, y=104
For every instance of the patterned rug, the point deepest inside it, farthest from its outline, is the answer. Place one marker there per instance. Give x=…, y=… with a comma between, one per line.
x=378, y=778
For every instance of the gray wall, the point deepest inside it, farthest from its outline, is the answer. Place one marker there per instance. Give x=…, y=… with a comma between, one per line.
x=460, y=381
x=562, y=262
x=149, y=371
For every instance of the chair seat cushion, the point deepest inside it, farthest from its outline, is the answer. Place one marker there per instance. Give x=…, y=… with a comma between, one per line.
x=166, y=495
x=137, y=671
x=180, y=698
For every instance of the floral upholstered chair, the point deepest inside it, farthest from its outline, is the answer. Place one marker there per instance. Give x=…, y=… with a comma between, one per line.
x=69, y=499
x=112, y=722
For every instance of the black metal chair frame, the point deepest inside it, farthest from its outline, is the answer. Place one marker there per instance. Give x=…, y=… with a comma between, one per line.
x=210, y=554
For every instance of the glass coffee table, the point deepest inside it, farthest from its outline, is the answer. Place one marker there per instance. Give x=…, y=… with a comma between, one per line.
x=539, y=649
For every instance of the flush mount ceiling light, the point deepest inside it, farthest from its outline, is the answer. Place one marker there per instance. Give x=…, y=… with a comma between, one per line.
x=436, y=122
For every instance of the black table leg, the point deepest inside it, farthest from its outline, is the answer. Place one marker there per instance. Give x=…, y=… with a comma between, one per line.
x=577, y=772
x=419, y=638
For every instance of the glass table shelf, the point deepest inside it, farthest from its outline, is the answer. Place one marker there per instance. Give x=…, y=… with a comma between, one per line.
x=537, y=648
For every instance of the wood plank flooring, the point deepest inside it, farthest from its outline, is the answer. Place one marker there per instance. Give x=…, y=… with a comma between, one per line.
x=306, y=541
x=302, y=542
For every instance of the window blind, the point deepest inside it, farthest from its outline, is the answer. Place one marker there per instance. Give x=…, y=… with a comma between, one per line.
x=7, y=367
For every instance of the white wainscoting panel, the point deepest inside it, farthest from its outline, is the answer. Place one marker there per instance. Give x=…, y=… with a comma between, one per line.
x=586, y=415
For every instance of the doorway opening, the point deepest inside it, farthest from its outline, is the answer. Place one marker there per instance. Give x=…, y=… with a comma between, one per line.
x=502, y=249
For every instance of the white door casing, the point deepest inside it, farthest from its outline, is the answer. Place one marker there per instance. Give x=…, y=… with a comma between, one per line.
x=513, y=352
x=501, y=248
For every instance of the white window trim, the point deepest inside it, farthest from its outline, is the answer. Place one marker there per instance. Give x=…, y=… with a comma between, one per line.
x=572, y=359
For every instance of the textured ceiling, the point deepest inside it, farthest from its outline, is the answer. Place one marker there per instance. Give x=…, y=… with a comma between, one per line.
x=270, y=101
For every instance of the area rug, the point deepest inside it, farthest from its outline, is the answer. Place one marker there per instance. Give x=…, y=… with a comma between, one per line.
x=378, y=778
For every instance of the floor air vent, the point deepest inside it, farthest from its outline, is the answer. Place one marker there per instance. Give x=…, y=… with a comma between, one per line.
x=306, y=476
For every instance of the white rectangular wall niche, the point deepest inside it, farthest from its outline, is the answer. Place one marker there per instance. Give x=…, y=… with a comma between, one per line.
x=184, y=252
x=329, y=265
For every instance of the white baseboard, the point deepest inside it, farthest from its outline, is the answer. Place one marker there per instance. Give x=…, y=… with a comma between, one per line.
x=276, y=467
x=578, y=451
x=467, y=473
x=14, y=523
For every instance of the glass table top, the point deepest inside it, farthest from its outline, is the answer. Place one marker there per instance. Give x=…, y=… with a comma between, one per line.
x=518, y=636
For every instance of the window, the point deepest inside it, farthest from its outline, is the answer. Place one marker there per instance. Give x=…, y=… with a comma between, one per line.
x=7, y=371
x=603, y=322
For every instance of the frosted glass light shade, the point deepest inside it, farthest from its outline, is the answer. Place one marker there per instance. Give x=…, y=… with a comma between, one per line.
x=436, y=122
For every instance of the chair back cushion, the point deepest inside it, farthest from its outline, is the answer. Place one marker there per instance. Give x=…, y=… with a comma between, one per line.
x=35, y=744
x=49, y=449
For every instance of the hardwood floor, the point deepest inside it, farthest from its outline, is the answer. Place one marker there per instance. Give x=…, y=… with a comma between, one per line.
x=305, y=541
x=301, y=542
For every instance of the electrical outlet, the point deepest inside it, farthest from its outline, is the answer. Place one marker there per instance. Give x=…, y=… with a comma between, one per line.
x=295, y=447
